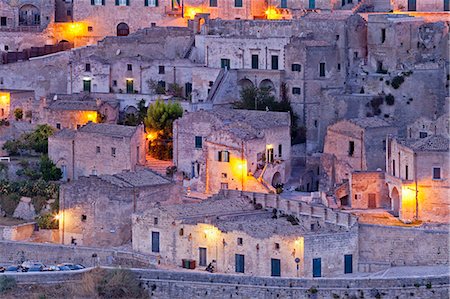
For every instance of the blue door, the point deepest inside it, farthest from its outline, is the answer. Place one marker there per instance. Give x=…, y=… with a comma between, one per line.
x=312, y=4
x=411, y=5
x=348, y=263
x=239, y=261
x=276, y=267
x=317, y=267
x=155, y=242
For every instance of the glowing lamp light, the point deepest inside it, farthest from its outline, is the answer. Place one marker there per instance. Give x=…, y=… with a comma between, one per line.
x=75, y=29
x=190, y=12
x=57, y=217
x=4, y=98
x=272, y=13
x=92, y=116
x=152, y=136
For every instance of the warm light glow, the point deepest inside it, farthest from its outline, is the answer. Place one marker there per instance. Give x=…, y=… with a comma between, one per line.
x=238, y=167
x=272, y=13
x=57, y=216
x=5, y=98
x=211, y=232
x=152, y=136
x=92, y=116
x=190, y=12
x=75, y=29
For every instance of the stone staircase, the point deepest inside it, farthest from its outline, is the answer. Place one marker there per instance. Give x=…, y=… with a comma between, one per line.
x=158, y=166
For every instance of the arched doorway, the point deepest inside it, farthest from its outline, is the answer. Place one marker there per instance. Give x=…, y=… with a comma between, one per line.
x=123, y=29
x=276, y=180
x=395, y=201
x=29, y=15
x=244, y=83
x=267, y=84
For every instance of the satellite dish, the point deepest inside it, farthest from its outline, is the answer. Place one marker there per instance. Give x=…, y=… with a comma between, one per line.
x=118, y=52
x=55, y=97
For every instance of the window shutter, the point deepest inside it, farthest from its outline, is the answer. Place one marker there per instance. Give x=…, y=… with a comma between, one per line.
x=117, y=2
x=146, y=2
x=92, y=2
x=128, y=2
x=156, y=2
x=103, y=2
x=219, y=156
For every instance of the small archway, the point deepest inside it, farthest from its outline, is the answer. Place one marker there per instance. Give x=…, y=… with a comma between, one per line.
x=395, y=202
x=276, y=179
x=245, y=83
x=29, y=15
x=123, y=29
x=267, y=84
x=63, y=41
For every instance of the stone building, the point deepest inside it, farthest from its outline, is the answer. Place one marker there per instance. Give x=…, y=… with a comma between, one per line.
x=417, y=177
x=355, y=145
x=96, y=210
x=72, y=113
x=424, y=127
x=11, y=100
x=246, y=236
x=96, y=149
x=233, y=149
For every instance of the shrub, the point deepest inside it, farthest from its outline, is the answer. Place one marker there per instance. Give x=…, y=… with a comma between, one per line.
x=7, y=283
x=49, y=170
x=120, y=283
x=47, y=221
x=397, y=81
x=39, y=203
x=9, y=203
x=390, y=99
x=18, y=113
x=376, y=102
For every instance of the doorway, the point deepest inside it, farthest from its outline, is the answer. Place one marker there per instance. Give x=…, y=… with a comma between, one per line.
x=275, y=267
x=202, y=256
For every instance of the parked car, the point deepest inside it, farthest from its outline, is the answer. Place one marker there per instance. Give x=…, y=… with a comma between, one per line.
x=2, y=269
x=30, y=264
x=35, y=268
x=73, y=266
x=63, y=268
x=14, y=269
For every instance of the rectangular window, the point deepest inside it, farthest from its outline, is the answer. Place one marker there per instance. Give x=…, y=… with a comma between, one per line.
x=129, y=67
x=97, y=149
x=406, y=172
x=312, y=4
x=202, y=258
x=87, y=67
x=224, y=175
x=240, y=241
x=151, y=3
x=348, y=263
x=212, y=3
x=423, y=134
x=239, y=261
x=97, y=2
x=383, y=35
x=113, y=151
x=225, y=63
x=3, y=21
x=274, y=62
x=161, y=69
x=238, y=3
x=255, y=62
x=351, y=148
x=270, y=155
x=223, y=156
x=114, y=83
x=275, y=267
x=339, y=67
x=280, y=150
x=317, y=267
x=436, y=173
x=198, y=142
x=322, y=69
x=58, y=126
x=187, y=89
x=155, y=221
x=122, y=2
x=296, y=90
x=393, y=167
x=155, y=241
x=296, y=67
x=130, y=87
x=224, y=186
x=87, y=85
x=283, y=4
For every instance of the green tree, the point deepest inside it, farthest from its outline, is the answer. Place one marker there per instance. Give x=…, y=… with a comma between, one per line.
x=49, y=170
x=159, y=122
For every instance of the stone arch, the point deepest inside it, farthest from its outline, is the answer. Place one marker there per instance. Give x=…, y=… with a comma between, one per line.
x=29, y=15
x=245, y=83
x=63, y=41
x=63, y=165
x=123, y=29
x=131, y=110
x=267, y=83
x=276, y=179
x=395, y=201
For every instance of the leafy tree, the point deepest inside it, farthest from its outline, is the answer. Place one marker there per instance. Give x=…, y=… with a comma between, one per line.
x=49, y=170
x=36, y=140
x=47, y=221
x=159, y=122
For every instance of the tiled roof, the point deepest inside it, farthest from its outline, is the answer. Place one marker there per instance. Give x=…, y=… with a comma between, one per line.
x=108, y=129
x=435, y=143
x=65, y=133
x=73, y=105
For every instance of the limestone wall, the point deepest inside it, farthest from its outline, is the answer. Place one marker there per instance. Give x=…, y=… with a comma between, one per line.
x=384, y=246
x=17, y=232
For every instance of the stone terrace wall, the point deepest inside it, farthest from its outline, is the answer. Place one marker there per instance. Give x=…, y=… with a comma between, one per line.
x=16, y=252
x=295, y=207
x=17, y=232
x=384, y=246
x=173, y=284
